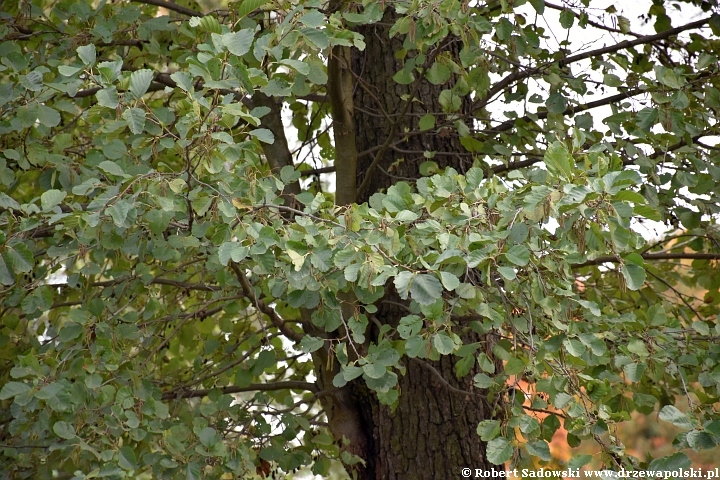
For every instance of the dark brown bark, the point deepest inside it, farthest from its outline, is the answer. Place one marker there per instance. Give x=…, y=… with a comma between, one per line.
x=431, y=433
x=379, y=105
x=340, y=91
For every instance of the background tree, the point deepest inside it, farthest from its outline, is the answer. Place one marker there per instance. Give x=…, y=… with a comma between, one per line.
x=182, y=296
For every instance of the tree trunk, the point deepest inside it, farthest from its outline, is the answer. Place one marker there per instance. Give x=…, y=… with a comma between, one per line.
x=383, y=118
x=431, y=433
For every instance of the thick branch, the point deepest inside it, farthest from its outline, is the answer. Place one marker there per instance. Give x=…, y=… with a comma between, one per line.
x=340, y=92
x=516, y=165
x=652, y=257
x=507, y=125
x=256, y=387
x=441, y=379
x=156, y=281
x=260, y=305
x=185, y=285
x=89, y=92
x=277, y=153
x=631, y=43
x=171, y=6
x=578, y=15
x=520, y=75
x=317, y=171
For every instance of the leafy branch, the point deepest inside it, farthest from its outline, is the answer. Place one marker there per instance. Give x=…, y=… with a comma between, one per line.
x=651, y=257
x=263, y=307
x=255, y=387
x=521, y=75
x=172, y=6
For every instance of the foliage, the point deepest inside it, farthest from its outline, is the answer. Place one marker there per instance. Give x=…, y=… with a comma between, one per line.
x=161, y=294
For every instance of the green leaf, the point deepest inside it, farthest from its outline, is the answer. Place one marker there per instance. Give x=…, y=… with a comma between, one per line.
x=375, y=371
x=246, y=7
x=115, y=150
x=239, y=43
x=671, y=414
x=232, y=251
x=499, y=451
x=51, y=198
x=87, y=54
x=539, y=449
x=309, y=344
x=427, y=122
x=558, y=160
x=140, y=81
x=208, y=23
x=126, y=458
x=49, y=391
x=183, y=80
x=634, y=275
x=409, y=326
x=443, y=344
x=504, y=29
x=13, y=389
x=562, y=399
x=671, y=463
x=556, y=103
x=488, y=430
x=567, y=18
x=299, y=66
x=48, y=116
x=647, y=117
x=19, y=258
x=538, y=5
x=449, y=101
x=64, y=430
x=713, y=427
x=404, y=76
x=70, y=332
x=508, y=273
x=699, y=440
x=438, y=74
x=289, y=174
x=715, y=24
x=8, y=202
x=574, y=347
x=634, y=371
x=68, y=70
x=108, y=97
x=415, y=347
x=135, y=118
x=208, y=437
x=313, y=19
x=519, y=255
x=514, y=366
x=264, y=135
x=449, y=281
x=481, y=380
x=425, y=289
x=119, y=212
x=112, y=168
x=579, y=461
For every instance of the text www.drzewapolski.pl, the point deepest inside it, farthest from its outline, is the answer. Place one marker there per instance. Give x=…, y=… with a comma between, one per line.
x=679, y=473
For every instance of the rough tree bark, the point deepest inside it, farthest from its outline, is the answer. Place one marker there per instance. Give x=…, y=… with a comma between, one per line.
x=386, y=125
x=431, y=434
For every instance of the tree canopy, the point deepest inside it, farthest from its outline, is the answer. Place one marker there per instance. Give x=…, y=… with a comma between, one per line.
x=189, y=292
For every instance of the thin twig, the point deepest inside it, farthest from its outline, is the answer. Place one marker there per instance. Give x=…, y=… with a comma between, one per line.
x=261, y=306
x=256, y=387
